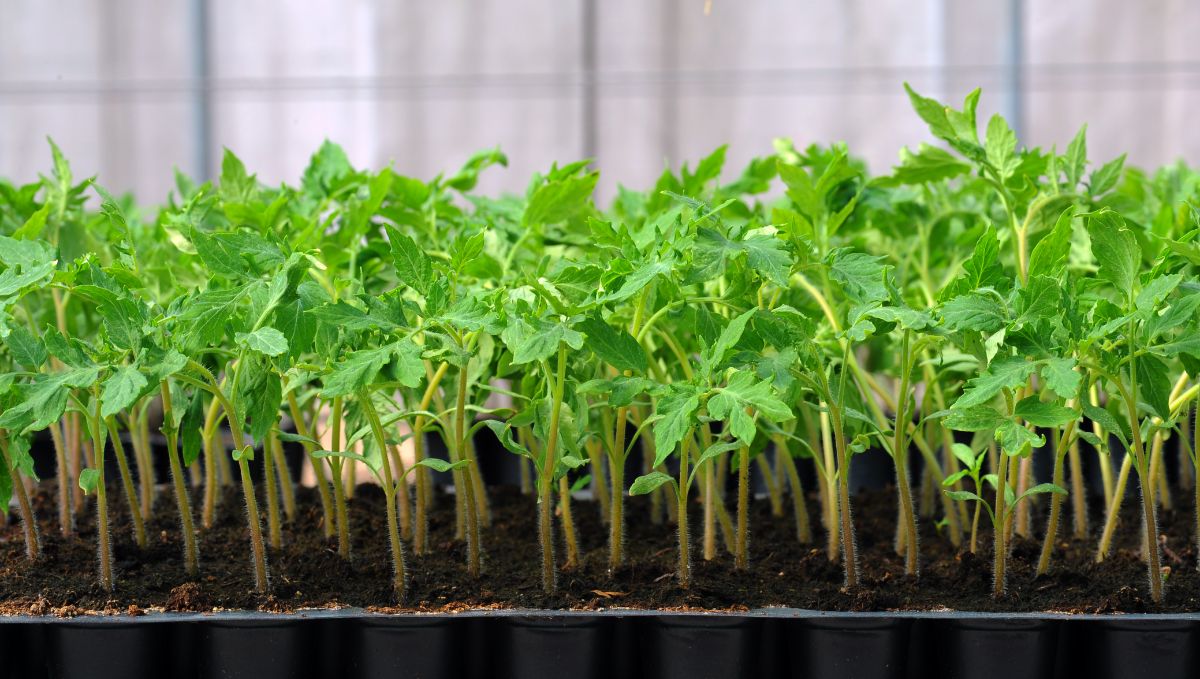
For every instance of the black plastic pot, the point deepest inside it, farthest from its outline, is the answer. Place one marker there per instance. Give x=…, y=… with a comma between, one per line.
x=624, y=644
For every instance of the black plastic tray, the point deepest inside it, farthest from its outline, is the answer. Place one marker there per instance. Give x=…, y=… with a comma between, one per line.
x=592, y=645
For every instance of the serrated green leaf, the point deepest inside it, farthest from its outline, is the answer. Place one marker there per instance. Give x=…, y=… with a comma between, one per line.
x=615, y=347
x=413, y=266
x=676, y=411
x=1017, y=440
x=1004, y=373
x=974, y=311
x=121, y=390
x=1116, y=250
x=266, y=341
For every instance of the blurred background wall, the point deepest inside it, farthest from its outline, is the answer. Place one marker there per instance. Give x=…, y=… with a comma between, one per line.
x=132, y=88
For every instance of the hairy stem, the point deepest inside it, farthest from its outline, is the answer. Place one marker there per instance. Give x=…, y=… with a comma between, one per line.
x=549, y=463
x=1000, y=547
x=389, y=492
x=327, y=518
x=274, y=527
x=681, y=497
x=568, y=522
x=104, y=537
x=1114, y=509
x=287, y=486
x=339, y=488
x=33, y=545
x=1079, y=513
x=800, y=509
x=66, y=516
x=741, y=560
x=191, y=559
x=135, y=510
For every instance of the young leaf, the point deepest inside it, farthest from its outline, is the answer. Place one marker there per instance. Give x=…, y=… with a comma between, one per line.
x=439, y=465
x=644, y=485
x=1041, y=489
x=413, y=266
x=88, y=480
x=1115, y=249
x=1050, y=254
x=1017, y=440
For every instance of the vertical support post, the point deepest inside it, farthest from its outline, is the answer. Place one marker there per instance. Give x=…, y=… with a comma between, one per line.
x=588, y=101
x=201, y=91
x=1014, y=67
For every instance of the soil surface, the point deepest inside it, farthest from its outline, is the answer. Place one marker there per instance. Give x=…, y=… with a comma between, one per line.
x=308, y=572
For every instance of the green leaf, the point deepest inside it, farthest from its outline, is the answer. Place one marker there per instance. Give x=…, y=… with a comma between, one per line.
x=639, y=278
x=974, y=418
x=644, y=485
x=27, y=350
x=1050, y=254
x=928, y=164
x=1076, y=159
x=373, y=461
x=1039, y=299
x=45, y=399
x=1041, y=489
x=676, y=411
x=32, y=228
x=266, y=340
x=1000, y=146
x=742, y=391
x=538, y=340
x=1008, y=372
x=1115, y=249
x=615, y=347
x=205, y=317
x=859, y=274
x=558, y=201
x=974, y=311
x=1060, y=376
x=1106, y=177
x=958, y=128
x=1040, y=414
x=731, y=334
x=716, y=450
x=439, y=465
x=357, y=371
x=1157, y=290
x=963, y=495
x=1154, y=385
x=350, y=318
x=121, y=390
x=503, y=434
x=1017, y=440
x=1107, y=422
x=413, y=266
x=89, y=479
x=964, y=454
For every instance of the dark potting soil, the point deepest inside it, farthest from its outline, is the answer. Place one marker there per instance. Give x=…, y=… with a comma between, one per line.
x=308, y=572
